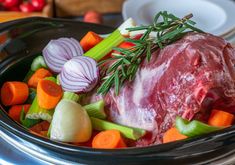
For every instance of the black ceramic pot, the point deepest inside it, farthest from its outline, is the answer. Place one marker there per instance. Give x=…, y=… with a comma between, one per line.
x=23, y=39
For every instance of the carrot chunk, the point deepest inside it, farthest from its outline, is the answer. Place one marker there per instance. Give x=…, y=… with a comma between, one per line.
x=109, y=139
x=90, y=40
x=220, y=118
x=172, y=135
x=14, y=111
x=14, y=92
x=38, y=75
x=49, y=94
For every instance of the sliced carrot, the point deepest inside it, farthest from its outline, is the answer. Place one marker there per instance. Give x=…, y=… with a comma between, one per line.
x=48, y=93
x=14, y=111
x=38, y=75
x=172, y=135
x=90, y=40
x=220, y=118
x=108, y=139
x=14, y=92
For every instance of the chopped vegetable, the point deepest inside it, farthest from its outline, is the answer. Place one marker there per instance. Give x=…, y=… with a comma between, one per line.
x=79, y=74
x=220, y=118
x=96, y=109
x=36, y=112
x=38, y=75
x=27, y=122
x=14, y=111
x=42, y=126
x=58, y=52
x=90, y=40
x=128, y=132
x=71, y=96
x=49, y=94
x=193, y=128
x=38, y=63
x=129, y=23
x=53, y=79
x=109, y=139
x=14, y=92
x=32, y=94
x=70, y=123
x=105, y=46
x=172, y=135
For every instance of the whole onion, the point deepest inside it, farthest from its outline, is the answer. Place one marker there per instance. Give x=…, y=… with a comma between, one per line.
x=58, y=52
x=80, y=74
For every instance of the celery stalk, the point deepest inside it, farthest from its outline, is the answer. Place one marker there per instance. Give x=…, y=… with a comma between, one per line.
x=49, y=132
x=32, y=94
x=27, y=122
x=96, y=109
x=105, y=46
x=53, y=79
x=36, y=112
x=128, y=132
x=57, y=80
x=71, y=96
x=37, y=63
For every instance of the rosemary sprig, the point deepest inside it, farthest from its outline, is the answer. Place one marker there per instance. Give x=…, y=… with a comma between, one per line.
x=124, y=65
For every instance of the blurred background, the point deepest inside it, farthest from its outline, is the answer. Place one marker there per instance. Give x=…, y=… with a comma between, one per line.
x=213, y=16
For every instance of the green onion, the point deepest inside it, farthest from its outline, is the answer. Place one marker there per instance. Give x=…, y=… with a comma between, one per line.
x=32, y=94
x=37, y=63
x=105, y=46
x=27, y=122
x=96, y=109
x=193, y=128
x=71, y=96
x=28, y=75
x=36, y=112
x=128, y=132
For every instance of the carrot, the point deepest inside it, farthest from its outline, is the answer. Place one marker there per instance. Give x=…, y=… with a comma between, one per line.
x=90, y=40
x=220, y=118
x=38, y=75
x=14, y=111
x=172, y=135
x=108, y=139
x=14, y=92
x=49, y=94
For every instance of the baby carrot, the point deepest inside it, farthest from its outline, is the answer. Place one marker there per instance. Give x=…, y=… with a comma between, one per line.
x=90, y=40
x=14, y=92
x=220, y=118
x=38, y=75
x=14, y=111
x=172, y=135
x=109, y=139
x=49, y=94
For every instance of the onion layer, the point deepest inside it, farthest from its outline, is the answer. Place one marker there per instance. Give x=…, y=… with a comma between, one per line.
x=80, y=74
x=58, y=52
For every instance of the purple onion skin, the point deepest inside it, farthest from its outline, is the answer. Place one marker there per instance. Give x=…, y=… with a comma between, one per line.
x=79, y=75
x=59, y=51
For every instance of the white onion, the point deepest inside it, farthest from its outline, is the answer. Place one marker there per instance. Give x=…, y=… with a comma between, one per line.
x=58, y=52
x=80, y=74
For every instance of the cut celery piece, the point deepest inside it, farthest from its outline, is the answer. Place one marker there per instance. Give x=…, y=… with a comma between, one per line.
x=37, y=63
x=27, y=122
x=28, y=75
x=36, y=112
x=71, y=96
x=53, y=79
x=128, y=132
x=49, y=132
x=57, y=80
x=105, y=46
x=96, y=109
x=32, y=94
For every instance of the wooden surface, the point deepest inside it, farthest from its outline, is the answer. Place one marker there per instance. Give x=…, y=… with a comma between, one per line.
x=79, y=7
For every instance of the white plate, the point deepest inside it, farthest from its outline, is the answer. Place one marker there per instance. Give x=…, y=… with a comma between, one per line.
x=213, y=16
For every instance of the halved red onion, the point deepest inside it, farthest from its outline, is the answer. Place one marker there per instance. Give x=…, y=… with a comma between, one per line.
x=80, y=74
x=58, y=52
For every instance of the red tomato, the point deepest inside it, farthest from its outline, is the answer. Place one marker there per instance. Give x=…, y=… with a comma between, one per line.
x=11, y=3
x=26, y=7
x=38, y=4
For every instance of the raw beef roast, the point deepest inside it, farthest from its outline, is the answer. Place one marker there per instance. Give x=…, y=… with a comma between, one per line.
x=187, y=78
